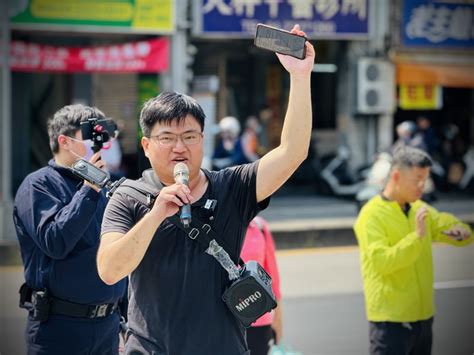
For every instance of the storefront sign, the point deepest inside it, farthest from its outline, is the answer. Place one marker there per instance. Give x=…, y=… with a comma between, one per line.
x=420, y=97
x=339, y=19
x=145, y=16
x=431, y=23
x=145, y=57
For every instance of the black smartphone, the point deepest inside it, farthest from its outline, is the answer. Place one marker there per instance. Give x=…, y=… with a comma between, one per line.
x=280, y=41
x=90, y=173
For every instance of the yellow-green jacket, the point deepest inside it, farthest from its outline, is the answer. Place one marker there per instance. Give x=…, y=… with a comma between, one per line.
x=397, y=266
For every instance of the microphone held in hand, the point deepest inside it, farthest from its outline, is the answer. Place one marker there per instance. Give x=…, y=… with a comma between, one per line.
x=181, y=176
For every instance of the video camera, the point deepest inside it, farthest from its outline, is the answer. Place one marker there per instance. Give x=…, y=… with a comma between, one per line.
x=99, y=131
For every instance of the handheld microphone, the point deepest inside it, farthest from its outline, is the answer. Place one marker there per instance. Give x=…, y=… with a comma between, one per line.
x=181, y=176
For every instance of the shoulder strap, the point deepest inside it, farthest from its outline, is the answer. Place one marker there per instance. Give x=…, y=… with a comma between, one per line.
x=140, y=191
x=259, y=223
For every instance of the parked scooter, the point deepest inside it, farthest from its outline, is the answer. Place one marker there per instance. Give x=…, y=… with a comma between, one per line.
x=468, y=174
x=376, y=179
x=329, y=174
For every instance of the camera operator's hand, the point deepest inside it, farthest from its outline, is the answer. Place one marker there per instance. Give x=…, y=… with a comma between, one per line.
x=170, y=199
x=95, y=159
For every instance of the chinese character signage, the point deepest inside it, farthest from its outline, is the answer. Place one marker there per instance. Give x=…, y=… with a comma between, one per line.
x=144, y=16
x=420, y=97
x=138, y=57
x=338, y=19
x=431, y=23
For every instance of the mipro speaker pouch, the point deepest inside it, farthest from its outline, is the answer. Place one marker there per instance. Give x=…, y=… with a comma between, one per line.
x=251, y=295
x=248, y=297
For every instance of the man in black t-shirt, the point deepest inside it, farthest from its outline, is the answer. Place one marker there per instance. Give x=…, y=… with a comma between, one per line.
x=175, y=292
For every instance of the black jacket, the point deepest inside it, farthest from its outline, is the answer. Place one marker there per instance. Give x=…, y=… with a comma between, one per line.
x=57, y=220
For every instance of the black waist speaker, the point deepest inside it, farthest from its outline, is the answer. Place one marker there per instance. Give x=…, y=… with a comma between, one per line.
x=251, y=295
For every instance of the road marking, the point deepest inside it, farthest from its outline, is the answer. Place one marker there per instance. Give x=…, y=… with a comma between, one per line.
x=321, y=250
x=441, y=285
x=305, y=224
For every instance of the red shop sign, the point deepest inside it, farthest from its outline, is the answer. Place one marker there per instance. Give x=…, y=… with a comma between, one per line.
x=145, y=57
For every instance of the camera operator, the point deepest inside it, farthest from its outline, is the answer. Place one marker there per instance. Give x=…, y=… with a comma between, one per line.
x=175, y=304
x=57, y=218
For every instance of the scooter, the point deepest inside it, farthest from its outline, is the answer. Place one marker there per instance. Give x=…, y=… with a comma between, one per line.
x=328, y=174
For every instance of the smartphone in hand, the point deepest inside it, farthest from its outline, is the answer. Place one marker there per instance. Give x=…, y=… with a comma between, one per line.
x=90, y=173
x=453, y=234
x=280, y=41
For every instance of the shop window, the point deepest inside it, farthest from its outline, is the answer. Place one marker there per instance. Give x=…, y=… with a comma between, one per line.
x=323, y=96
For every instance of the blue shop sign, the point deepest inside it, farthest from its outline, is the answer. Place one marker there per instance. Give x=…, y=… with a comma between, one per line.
x=431, y=23
x=332, y=19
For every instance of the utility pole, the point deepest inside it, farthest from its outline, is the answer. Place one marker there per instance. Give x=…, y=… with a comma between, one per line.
x=177, y=77
x=6, y=204
x=379, y=12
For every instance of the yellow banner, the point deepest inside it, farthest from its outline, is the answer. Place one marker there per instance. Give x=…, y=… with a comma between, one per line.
x=154, y=14
x=420, y=97
x=75, y=10
x=149, y=16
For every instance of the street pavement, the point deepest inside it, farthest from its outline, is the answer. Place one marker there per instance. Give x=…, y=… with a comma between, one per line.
x=323, y=306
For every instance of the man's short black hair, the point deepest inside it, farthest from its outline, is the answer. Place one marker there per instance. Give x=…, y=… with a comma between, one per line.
x=167, y=107
x=67, y=121
x=409, y=157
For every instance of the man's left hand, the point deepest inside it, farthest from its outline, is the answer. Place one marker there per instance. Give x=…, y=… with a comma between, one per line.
x=299, y=66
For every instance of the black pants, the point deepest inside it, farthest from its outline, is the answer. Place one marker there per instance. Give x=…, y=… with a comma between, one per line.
x=259, y=338
x=389, y=338
x=62, y=335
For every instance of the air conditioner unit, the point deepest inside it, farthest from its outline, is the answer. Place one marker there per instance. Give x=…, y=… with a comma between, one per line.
x=375, y=86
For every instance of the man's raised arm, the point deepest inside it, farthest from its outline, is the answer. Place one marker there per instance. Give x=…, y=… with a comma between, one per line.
x=280, y=163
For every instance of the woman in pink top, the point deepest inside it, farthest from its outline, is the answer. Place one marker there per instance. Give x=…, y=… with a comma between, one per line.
x=259, y=246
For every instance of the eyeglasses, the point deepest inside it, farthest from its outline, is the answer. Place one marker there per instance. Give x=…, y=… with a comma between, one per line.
x=170, y=139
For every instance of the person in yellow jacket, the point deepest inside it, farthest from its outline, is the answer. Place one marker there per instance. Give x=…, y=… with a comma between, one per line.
x=395, y=230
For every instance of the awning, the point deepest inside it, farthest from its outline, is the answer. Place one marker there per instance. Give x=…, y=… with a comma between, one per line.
x=456, y=75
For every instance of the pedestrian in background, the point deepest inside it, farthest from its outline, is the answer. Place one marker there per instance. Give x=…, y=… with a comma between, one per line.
x=427, y=134
x=395, y=231
x=57, y=218
x=229, y=150
x=250, y=140
x=406, y=137
x=260, y=246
